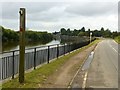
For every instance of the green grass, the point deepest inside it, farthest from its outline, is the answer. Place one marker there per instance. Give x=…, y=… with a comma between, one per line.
x=36, y=77
x=117, y=39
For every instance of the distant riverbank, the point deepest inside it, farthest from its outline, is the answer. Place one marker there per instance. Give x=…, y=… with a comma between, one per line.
x=10, y=38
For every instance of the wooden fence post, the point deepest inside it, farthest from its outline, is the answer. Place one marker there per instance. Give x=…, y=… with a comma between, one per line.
x=22, y=45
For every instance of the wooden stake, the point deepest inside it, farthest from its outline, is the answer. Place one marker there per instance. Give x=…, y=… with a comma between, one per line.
x=22, y=45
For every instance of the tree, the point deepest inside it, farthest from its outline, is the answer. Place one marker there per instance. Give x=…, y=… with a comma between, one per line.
x=83, y=29
x=96, y=33
x=107, y=33
x=63, y=31
x=69, y=32
x=81, y=34
x=115, y=34
x=88, y=32
x=9, y=35
x=102, y=31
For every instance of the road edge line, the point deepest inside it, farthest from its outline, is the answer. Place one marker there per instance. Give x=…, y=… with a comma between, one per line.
x=69, y=85
x=86, y=74
x=85, y=79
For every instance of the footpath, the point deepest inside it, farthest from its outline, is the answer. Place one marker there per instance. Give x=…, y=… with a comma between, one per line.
x=62, y=77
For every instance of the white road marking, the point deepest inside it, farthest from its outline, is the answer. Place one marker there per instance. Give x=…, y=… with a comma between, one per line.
x=116, y=52
x=77, y=73
x=73, y=78
x=114, y=49
x=85, y=78
x=84, y=81
x=115, y=41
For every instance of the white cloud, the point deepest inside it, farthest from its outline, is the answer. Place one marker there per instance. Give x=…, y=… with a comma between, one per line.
x=52, y=16
x=92, y=8
x=58, y=1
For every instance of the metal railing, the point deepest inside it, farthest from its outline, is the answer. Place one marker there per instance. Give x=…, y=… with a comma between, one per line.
x=34, y=57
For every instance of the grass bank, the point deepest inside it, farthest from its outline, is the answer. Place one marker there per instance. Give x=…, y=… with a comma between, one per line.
x=34, y=78
x=117, y=39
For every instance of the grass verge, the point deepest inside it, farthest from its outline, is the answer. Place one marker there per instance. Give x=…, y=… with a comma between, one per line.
x=34, y=78
x=117, y=39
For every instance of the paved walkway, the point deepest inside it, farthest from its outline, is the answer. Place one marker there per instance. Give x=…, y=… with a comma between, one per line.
x=63, y=76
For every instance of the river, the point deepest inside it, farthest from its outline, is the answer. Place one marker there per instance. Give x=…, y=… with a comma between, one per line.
x=15, y=46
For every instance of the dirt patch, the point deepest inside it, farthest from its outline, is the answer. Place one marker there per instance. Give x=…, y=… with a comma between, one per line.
x=62, y=77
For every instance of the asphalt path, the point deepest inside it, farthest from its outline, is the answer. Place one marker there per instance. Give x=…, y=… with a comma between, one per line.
x=103, y=70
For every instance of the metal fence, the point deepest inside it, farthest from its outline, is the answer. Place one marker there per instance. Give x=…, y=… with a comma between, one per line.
x=34, y=57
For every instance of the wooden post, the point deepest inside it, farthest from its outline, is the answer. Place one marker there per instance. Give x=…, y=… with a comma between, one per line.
x=22, y=45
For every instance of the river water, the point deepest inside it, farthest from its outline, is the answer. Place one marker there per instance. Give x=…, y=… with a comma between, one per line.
x=15, y=46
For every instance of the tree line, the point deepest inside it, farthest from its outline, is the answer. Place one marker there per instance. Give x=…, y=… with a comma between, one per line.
x=106, y=33
x=9, y=35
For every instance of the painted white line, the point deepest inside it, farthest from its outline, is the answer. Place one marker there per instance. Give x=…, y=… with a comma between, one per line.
x=84, y=81
x=115, y=41
x=73, y=78
x=118, y=54
x=114, y=49
x=69, y=86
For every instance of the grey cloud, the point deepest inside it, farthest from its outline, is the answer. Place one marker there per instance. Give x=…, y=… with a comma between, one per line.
x=10, y=10
x=54, y=11
x=92, y=8
x=52, y=14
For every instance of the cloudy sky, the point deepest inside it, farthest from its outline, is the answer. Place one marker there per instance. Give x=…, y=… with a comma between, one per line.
x=51, y=16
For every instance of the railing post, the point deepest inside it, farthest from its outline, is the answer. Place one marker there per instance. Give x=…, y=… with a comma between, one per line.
x=72, y=47
x=13, y=65
x=35, y=58
x=57, y=50
x=48, y=53
x=2, y=67
x=64, y=49
x=69, y=48
x=6, y=68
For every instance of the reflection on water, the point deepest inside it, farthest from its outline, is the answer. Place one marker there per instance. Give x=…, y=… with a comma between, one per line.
x=53, y=42
x=9, y=46
x=15, y=45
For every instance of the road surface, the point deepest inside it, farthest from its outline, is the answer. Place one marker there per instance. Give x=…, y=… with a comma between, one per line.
x=103, y=71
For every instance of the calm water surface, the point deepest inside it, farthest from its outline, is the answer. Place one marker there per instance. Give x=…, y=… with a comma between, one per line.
x=15, y=46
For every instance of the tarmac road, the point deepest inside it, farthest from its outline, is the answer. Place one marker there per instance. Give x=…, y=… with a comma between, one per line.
x=103, y=71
